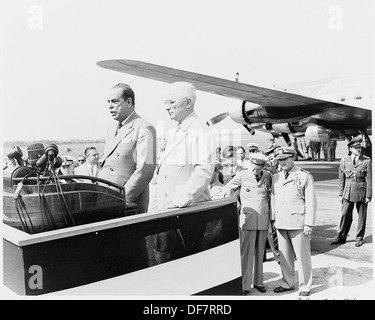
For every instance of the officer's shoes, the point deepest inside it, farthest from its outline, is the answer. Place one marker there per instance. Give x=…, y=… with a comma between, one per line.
x=337, y=241
x=261, y=289
x=359, y=243
x=282, y=289
x=245, y=292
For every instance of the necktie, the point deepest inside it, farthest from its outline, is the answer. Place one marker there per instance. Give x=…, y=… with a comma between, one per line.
x=257, y=178
x=286, y=174
x=91, y=171
x=118, y=128
x=354, y=162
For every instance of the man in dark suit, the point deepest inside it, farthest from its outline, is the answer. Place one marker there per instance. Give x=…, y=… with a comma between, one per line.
x=355, y=187
x=129, y=156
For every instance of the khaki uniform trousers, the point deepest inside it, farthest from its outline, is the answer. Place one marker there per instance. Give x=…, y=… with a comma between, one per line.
x=295, y=242
x=253, y=243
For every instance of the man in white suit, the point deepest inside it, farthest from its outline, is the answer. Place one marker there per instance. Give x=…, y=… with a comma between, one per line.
x=129, y=157
x=186, y=165
x=90, y=166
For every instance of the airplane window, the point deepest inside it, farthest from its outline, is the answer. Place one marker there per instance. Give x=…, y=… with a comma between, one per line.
x=341, y=98
x=358, y=96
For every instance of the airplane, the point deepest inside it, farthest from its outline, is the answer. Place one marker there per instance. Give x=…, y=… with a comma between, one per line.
x=269, y=110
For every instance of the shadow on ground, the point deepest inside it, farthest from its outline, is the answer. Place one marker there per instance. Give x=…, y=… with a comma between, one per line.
x=323, y=279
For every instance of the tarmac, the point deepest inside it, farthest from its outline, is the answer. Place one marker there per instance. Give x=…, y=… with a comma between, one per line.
x=340, y=272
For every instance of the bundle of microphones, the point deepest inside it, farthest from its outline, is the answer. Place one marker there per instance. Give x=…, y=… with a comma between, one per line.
x=42, y=159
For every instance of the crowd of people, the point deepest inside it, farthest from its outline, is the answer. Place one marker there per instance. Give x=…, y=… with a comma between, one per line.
x=274, y=196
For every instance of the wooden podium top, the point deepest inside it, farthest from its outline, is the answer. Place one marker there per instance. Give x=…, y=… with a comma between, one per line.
x=20, y=238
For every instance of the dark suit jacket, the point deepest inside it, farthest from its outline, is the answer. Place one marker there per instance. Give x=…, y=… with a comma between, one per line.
x=355, y=182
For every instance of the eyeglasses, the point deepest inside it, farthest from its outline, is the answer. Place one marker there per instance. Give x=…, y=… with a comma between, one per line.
x=172, y=103
x=283, y=159
x=81, y=160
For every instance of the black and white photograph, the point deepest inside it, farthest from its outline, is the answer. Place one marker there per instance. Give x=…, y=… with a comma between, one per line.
x=159, y=150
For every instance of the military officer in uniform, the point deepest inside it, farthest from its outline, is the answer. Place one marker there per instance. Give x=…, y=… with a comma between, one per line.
x=255, y=195
x=230, y=166
x=355, y=187
x=272, y=165
x=294, y=207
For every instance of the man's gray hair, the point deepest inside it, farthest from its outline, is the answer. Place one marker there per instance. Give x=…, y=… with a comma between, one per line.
x=188, y=89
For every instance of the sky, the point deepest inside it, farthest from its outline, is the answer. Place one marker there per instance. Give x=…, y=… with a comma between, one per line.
x=51, y=87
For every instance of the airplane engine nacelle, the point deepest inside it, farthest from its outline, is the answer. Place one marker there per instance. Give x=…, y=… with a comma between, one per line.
x=317, y=133
x=280, y=128
x=241, y=115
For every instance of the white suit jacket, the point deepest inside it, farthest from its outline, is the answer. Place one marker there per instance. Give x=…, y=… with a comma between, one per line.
x=84, y=170
x=186, y=165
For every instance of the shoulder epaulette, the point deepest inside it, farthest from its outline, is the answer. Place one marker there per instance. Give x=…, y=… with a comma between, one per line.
x=303, y=170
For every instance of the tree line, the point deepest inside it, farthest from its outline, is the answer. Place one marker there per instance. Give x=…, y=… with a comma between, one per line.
x=22, y=143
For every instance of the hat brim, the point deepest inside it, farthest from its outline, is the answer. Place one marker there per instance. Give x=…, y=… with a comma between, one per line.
x=284, y=156
x=258, y=157
x=258, y=164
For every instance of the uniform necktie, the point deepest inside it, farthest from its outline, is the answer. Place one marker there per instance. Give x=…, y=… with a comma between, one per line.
x=354, y=162
x=286, y=174
x=91, y=171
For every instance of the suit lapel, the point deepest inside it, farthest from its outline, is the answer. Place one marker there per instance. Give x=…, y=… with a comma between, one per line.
x=185, y=128
x=171, y=147
x=112, y=140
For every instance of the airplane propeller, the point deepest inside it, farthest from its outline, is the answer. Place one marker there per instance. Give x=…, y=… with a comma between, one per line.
x=217, y=119
x=286, y=138
x=221, y=117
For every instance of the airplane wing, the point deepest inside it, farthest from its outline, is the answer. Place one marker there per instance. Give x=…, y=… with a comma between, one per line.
x=227, y=88
x=278, y=106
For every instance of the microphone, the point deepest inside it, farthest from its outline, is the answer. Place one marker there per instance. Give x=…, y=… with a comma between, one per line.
x=35, y=151
x=57, y=163
x=41, y=162
x=51, y=151
x=16, y=155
